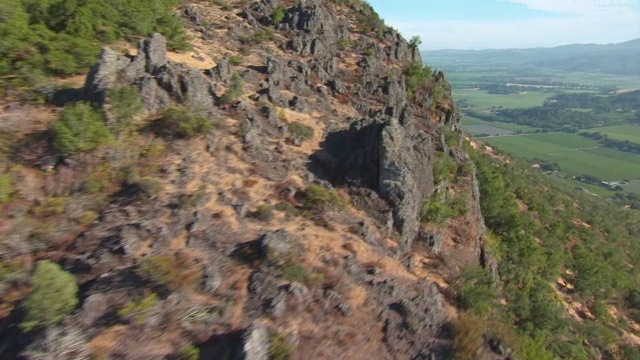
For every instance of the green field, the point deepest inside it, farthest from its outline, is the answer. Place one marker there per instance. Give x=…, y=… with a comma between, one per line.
x=629, y=133
x=594, y=189
x=485, y=101
x=575, y=154
x=476, y=126
x=634, y=187
x=597, y=79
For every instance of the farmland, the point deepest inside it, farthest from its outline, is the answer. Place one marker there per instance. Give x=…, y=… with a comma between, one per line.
x=479, y=127
x=482, y=100
x=484, y=89
x=629, y=133
x=576, y=155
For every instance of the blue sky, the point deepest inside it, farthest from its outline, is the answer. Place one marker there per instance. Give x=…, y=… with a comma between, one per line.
x=482, y=24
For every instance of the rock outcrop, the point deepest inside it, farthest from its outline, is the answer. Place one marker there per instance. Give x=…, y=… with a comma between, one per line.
x=227, y=280
x=161, y=82
x=393, y=159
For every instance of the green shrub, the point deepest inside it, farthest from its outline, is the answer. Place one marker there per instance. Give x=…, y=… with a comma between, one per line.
x=80, y=128
x=259, y=37
x=6, y=188
x=222, y=3
x=126, y=103
x=280, y=348
x=459, y=205
x=295, y=272
x=415, y=42
x=436, y=210
x=633, y=298
x=139, y=310
x=534, y=349
x=343, y=44
x=64, y=37
x=451, y=138
x=317, y=196
x=476, y=293
x=195, y=199
x=288, y=209
x=180, y=122
x=264, y=212
x=150, y=186
x=371, y=52
x=468, y=331
x=10, y=269
x=444, y=169
x=53, y=297
x=172, y=272
x=466, y=169
x=190, y=352
x=417, y=76
x=438, y=92
x=368, y=20
x=160, y=269
x=278, y=15
x=630, y=352
x=301, y=131
x=599, y=335
x=235, y=60
x=441, y=207
x=235, y=90
x=51, y=206
x=600, y=310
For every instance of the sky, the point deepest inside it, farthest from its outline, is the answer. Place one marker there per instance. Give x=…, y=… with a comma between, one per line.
x=496, y=24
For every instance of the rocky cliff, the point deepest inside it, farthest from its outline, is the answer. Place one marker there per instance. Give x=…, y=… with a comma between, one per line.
x=263, y=239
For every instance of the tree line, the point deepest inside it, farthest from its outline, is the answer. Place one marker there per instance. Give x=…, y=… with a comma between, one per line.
x=565, y=234
x=42, y=38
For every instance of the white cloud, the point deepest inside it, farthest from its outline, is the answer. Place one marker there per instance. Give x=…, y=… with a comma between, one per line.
x=578, y=6
x=590, y=21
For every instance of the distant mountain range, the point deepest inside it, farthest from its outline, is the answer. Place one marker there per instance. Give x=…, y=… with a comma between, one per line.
x=619, y=59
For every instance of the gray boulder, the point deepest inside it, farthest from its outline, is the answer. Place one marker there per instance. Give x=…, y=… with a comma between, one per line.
x=394, y=159
x=155, y=51
x=278, y=246
x=414, y=318
x=256, y=343
x=161, y=82
x=406, y=174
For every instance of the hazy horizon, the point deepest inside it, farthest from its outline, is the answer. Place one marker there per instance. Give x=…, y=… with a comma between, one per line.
x=532, y=47
x=512, y=24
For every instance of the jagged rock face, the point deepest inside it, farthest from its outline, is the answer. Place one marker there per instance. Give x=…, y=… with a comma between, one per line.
x=385, y=159
x=413, y=320
x=391, y=158
x=319, y=31
x=401, y=51
x=260, y=12
x=406, y=174
x=256, y=344
x=160, y=81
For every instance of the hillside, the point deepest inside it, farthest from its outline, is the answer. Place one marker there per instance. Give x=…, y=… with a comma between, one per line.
x=617, y=59
x=278, y=180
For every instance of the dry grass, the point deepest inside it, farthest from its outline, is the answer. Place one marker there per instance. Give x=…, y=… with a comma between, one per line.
x=107, y=340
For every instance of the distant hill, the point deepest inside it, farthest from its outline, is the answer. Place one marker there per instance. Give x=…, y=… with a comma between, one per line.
x=618, y=59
